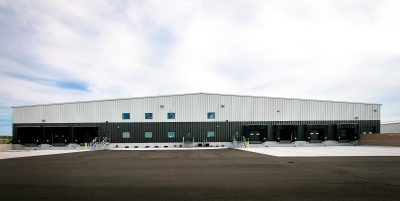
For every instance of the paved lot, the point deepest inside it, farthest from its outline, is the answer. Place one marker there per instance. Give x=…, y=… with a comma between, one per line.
x=28, y=153
x=327, y=151
x=224, y=174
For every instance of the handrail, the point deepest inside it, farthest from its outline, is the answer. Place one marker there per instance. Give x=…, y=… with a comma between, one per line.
x=99, y=143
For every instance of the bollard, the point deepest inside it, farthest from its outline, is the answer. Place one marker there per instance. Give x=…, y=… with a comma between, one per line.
x=85, y=145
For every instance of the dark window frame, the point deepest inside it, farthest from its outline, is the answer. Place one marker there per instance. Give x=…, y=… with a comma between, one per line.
x=210, y=115
x=123, y=137
x=146, y=132
x=148, y=115
x=126, y=116
x=171, y=132
x=171, y=117
x=213, y=134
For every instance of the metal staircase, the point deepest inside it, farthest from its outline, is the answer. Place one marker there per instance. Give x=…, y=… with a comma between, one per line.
x=99, y=143
x=188, y=143
x=234, y=142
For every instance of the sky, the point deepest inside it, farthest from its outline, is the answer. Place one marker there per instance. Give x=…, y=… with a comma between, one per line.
x=61, y=51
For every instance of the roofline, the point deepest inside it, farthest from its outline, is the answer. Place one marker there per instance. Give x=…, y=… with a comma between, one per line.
x=391, y=122
x=158, y=96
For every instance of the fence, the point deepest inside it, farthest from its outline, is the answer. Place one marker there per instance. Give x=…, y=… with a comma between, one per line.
x=380, y=139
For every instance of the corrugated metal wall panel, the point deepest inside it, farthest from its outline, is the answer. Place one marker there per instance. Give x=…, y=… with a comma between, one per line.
x=390, y=127
x=224, y=130
x=194, y=108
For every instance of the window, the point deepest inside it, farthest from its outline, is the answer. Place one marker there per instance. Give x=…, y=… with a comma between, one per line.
x=211, y=115
x=148, y=135
x=171, y=115
x=126, y=135
x=210, y=134
x=148, y=115
x=171, y=134
x=126, y=115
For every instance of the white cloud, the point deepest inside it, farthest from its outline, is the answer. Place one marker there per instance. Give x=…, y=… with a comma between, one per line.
x=341, y=50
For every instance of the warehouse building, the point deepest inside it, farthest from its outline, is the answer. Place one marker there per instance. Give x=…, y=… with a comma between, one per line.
x=201, y=118
x=392, y=127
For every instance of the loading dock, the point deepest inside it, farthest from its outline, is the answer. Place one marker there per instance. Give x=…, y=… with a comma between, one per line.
x=30, y=135
x=57, y=136
x=82, y=135
x=316, y=133
x=255, y=134
x=286, y=133
x=346, y=132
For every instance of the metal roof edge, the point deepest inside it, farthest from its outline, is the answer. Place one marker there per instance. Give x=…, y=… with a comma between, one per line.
x=391, y=122
x=188, y=94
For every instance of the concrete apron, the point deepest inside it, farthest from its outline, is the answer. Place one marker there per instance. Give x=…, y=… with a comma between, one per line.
x=176, y=145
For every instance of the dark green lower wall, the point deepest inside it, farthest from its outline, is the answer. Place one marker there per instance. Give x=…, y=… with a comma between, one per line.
x=224, y=131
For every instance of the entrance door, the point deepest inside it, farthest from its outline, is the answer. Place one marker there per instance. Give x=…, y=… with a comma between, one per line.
x=188, y=136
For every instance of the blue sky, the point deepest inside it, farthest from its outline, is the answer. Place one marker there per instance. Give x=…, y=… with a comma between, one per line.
x=58, y=51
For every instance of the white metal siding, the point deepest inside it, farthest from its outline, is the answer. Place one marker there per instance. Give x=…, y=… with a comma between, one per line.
x=194, y=108
x=390, y=127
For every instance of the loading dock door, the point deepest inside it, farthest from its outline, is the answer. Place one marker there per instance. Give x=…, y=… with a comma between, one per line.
x=30, y=136
x=57, y=136
x=82, y=135
x=255, y=137
x=316, y=133
x=346, y=132
x=255, y=134
x=286, y=133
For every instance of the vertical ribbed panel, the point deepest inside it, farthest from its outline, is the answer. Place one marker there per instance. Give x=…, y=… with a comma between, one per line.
x=194, y=108
x=224, y=131
x=390, y=127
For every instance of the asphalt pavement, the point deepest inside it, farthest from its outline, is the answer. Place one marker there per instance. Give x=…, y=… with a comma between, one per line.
x=188, y=175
